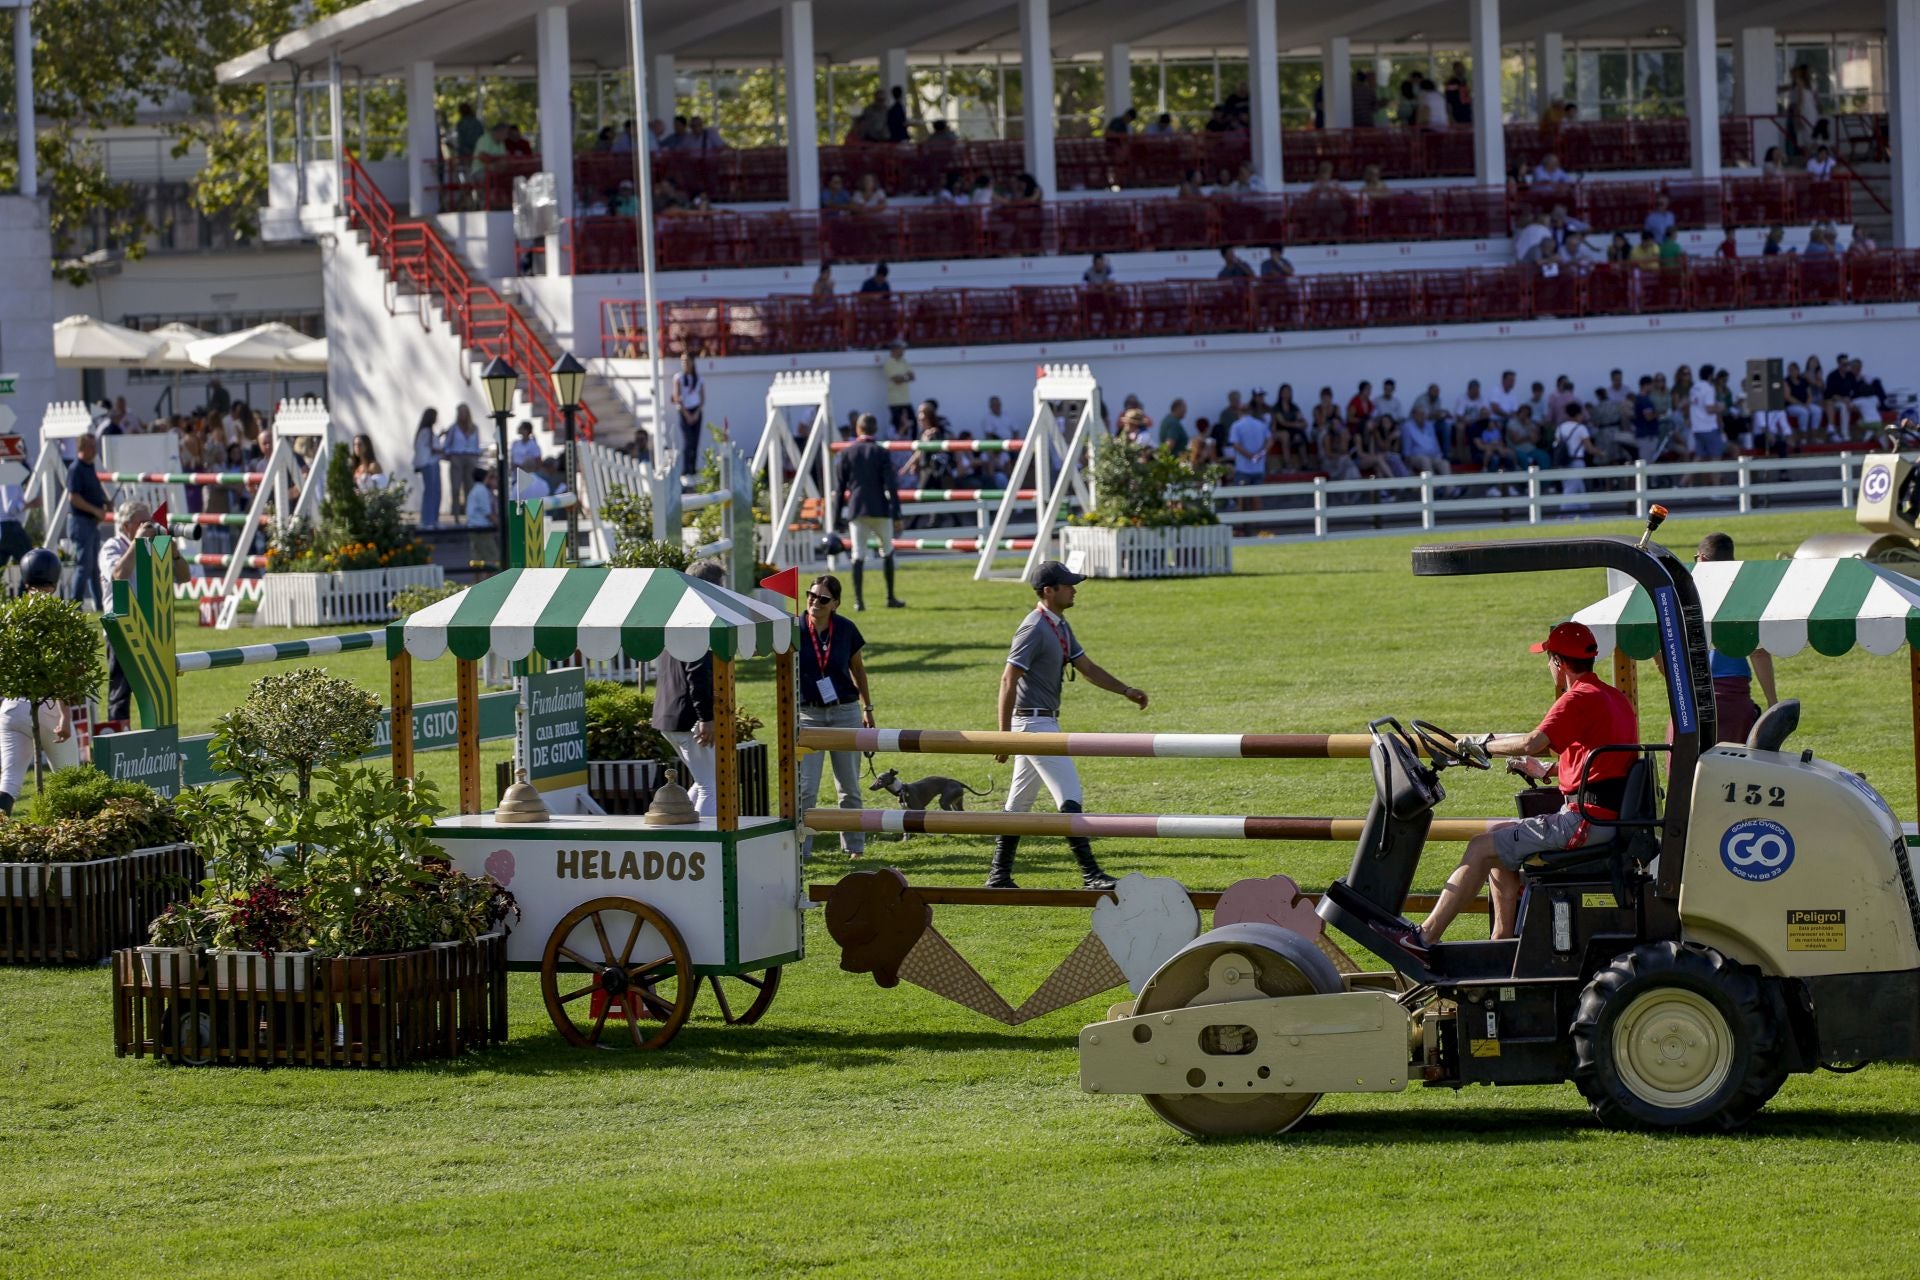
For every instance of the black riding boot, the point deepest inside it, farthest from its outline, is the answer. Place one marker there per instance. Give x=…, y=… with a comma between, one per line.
x=859, y=586
x=886, y=567
x=1000, y=874
x=1091, y=876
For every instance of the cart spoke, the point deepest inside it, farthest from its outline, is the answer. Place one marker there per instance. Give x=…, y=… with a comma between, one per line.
x=726, y=1010
x=600, y=929
x=646, y=972
x=600, y=1021
x=578, y=959
x=758, y=984
x=656, y=1007
x=633, y=1023
x=586, y=990
x=626, y=952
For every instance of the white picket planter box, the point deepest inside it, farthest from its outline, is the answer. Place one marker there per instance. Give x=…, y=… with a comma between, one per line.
x=250, y=970
x=1192, y=551
x=324, y=599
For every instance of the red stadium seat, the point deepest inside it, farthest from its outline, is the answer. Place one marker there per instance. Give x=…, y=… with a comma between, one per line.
x=1177, y=224
x=1096, y=226
x=1619, y=206
x=1736, y=141
x=1015, y=230
x=760, y=173
x=1556, y=290
x=1821, y=201
x=693, y=324
x=1161, y=310
x=1755, y=202
x=1404, y=215
x=1305, y=151
x=861, y=237
x=870, y=320
x=1392, y=298
x=1222, y=306
x=1503, y=293
x=1661, y=288
x=1610, y=289
x=1456, y=297
x=1657, y=144
x=1527, y=145
x=684, y=241
x=1822, y=280
x=1769, y=282
x=1323, y=217
x=1279, y=302
x=941, y=231
x=1054, y=313
x=1696, y=202
x=1251, y=220
x=1472, y=213
x=1713, y=284
x=814, y=325
x=1333, y=302
x=1081, y=164
x=991, y=316
x=1873, y=277
x=1155, y=160
x=1222, y=153
x=934, y=318
x=1446, y=153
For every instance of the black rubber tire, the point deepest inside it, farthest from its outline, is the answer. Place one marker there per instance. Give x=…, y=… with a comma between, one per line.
x=1683, y=971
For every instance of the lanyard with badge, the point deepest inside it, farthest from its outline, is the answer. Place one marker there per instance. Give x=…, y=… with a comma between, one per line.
x=1066, y=658
x=822, y=651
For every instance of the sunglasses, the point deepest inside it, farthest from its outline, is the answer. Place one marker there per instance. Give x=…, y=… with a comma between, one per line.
x=814, y=597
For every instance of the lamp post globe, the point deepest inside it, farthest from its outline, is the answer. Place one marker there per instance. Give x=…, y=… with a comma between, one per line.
x=500, y=381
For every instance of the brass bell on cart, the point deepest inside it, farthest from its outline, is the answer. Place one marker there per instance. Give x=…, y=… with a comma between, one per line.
x=671, y=807
x=522, y=803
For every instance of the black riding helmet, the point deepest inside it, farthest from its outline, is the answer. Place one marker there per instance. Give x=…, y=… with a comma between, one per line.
x=39, y=568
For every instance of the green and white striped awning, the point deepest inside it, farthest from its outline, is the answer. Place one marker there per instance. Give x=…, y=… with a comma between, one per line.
x=598, y=612
x=1781, y=606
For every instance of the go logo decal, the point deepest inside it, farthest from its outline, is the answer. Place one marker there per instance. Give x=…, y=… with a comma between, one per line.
x=1758, y=849
x=1877, y=483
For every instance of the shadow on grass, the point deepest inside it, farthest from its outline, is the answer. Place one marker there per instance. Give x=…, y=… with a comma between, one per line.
x=915, y=659
x=1512, y=1126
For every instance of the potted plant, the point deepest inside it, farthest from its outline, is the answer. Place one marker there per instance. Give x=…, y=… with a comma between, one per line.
x=347, y=566
x=175, y=939
x=1152, y=517
x=259, y=929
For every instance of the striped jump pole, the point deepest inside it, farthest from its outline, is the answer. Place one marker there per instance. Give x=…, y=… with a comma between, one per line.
x=938, y=446
x=254, y=654
x=1182, y=826
x=1190, y=746
x=233, y=520
x=214, y=560
x=233, y=479
x=953, y=544
x=961, y=495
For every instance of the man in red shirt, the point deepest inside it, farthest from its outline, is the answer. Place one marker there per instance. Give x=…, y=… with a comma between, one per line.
x=1586, y=715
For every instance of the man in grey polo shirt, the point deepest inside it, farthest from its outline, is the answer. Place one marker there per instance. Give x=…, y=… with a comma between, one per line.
x=1044, y=648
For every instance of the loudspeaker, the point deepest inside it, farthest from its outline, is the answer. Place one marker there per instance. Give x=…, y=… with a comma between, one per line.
x=1765, y=386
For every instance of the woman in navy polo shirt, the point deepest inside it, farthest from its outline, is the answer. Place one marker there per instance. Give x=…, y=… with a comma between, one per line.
x=833, y=695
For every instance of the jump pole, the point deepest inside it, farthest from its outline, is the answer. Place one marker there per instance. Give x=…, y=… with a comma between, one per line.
x=1191, y=746
x=940, y=895
x=1183, y=826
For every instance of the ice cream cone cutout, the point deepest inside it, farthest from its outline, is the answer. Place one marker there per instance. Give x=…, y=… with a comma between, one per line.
x=886, y=929
x=1278, y=900
x=1134, y=933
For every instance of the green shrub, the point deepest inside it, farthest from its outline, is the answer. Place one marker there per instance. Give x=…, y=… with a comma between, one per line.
x=414, y=599
x=80, y=791
x=1137, y=489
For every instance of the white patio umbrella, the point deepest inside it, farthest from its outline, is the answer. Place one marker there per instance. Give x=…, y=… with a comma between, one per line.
x=171, y=353
x=260, y=348
x=308, y=357
x=82, y=342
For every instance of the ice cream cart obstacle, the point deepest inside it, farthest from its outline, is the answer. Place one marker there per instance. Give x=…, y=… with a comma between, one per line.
x=626, y=918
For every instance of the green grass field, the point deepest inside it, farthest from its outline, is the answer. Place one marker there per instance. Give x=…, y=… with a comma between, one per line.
x=867, y=1133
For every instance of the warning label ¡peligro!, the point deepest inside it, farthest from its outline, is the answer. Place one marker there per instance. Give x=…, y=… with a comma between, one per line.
x=1816, y=931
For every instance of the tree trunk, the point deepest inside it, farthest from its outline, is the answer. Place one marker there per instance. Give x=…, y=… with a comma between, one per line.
x=39, y=774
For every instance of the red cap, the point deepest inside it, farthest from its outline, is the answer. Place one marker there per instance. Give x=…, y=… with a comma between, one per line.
x=1570, y=640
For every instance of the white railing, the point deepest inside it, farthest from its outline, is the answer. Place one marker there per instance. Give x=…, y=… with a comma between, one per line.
x=1319, y=509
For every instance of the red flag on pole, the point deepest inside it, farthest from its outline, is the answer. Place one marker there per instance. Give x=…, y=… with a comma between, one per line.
x=785, y=583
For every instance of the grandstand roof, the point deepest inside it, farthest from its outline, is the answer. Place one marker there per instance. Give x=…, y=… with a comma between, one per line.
x=380, y=37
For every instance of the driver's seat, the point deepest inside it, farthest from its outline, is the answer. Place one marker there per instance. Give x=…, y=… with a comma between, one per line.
x=1636, y=837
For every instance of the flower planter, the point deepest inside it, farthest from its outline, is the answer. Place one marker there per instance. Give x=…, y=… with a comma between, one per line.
x=1188, y=551
x=171, y=968
x=256, y=971
x=80, y=912
x=324, y=599
x=368, y=1011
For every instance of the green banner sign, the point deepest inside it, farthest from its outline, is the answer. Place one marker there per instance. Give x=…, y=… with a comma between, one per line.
x=557, y=729
x=434, y=729
x=151, y=756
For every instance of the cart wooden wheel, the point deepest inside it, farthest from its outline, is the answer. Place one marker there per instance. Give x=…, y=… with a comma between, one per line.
x=617, y=960
x=752, y=992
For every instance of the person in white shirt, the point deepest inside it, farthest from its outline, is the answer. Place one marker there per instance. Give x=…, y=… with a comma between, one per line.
x=479, y=504
x=528, y=484
x=1703, y=418
x=689, y=398
x=1534, y=242
x=426, y=464
x=1420, y=443
x=1578, y=252
x=1388, y=406
x=525, y=448
x=996, y=425
x=1507, y=398
x=1247, y=441
x=1471, y=413
x=462, y=450
x=1574, y=439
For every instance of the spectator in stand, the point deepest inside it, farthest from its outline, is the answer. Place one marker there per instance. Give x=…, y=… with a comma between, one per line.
x=1162, y=125
x=1608, y=420
x=1366, y=99
x=1801, y=411
x=479, y=504
x=1647, y=252
x=877, y=282
x=1563, y=394
x=1232, y=267
x=1217, y=121
x=516, y=142
x=656, y=136
x=1324, y=183
x=869, y=198
x=897, y=116
x=1548, y=173
x=1388, y=406
x=1202, y=451
x=1620, y=249
x=1326, y=414
x=492, y=147
x=836, y=195
x=1229, y=415
x=1360, y=408
x=467, y=132
x=1869, y=398
x=1776, y=242
x=702, y=136
x=1735, y=425
x=1672, y=252
x=941, y=140
x=1563, y=224
x=1703, y=418
x=1534, y=243
x=871, y=124
x=1435, y=408
x=1173, y=428
x=1026, y=190
x=1372, y=184
x=1247, y=182
x=1817, y=246
x=1523, y=440
x=525, y=450
x=1579, y=252
x=1098, y=272
x=1459, y=95
x=983, y=193
x=1339, y=451
x=1431, y=109
x=1506, y=400
x=996, y=425
x=1408, y=107
x=1820, y=166
x=1472, y=412
x=1774, y=163
x=1729, y=245
x=1841, y=388
x=679, y=139
x=462, y=452
x=1537, y=402
x=1247, y=441
x=1573, y=449
x=1420, y=442
x=1492, y=453
x=1803, y=108
x=1276, y=264
x=899, y=377
x=1382, y=445
x=823, y=283
x=1290, y=429
x=953, y=190
x=1121, y=126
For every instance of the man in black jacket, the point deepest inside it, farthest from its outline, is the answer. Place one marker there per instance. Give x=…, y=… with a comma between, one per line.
x=683, y=706
x=870, y=500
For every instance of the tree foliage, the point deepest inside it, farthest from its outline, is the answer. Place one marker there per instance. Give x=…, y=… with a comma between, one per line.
x=49, y=652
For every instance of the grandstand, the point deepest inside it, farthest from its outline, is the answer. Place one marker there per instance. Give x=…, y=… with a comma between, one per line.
x=1260, y=126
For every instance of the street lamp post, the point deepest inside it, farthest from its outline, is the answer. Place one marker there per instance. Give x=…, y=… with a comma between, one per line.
x=568, y=377
x=499, y=379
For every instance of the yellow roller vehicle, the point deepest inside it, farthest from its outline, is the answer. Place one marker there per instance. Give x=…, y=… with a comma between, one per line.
x=1757, y=919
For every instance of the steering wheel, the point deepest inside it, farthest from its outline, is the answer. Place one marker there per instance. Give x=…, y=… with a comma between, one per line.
x=1447, y=750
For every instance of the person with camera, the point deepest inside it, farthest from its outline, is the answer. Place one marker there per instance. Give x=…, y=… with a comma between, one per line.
x=39, y=571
